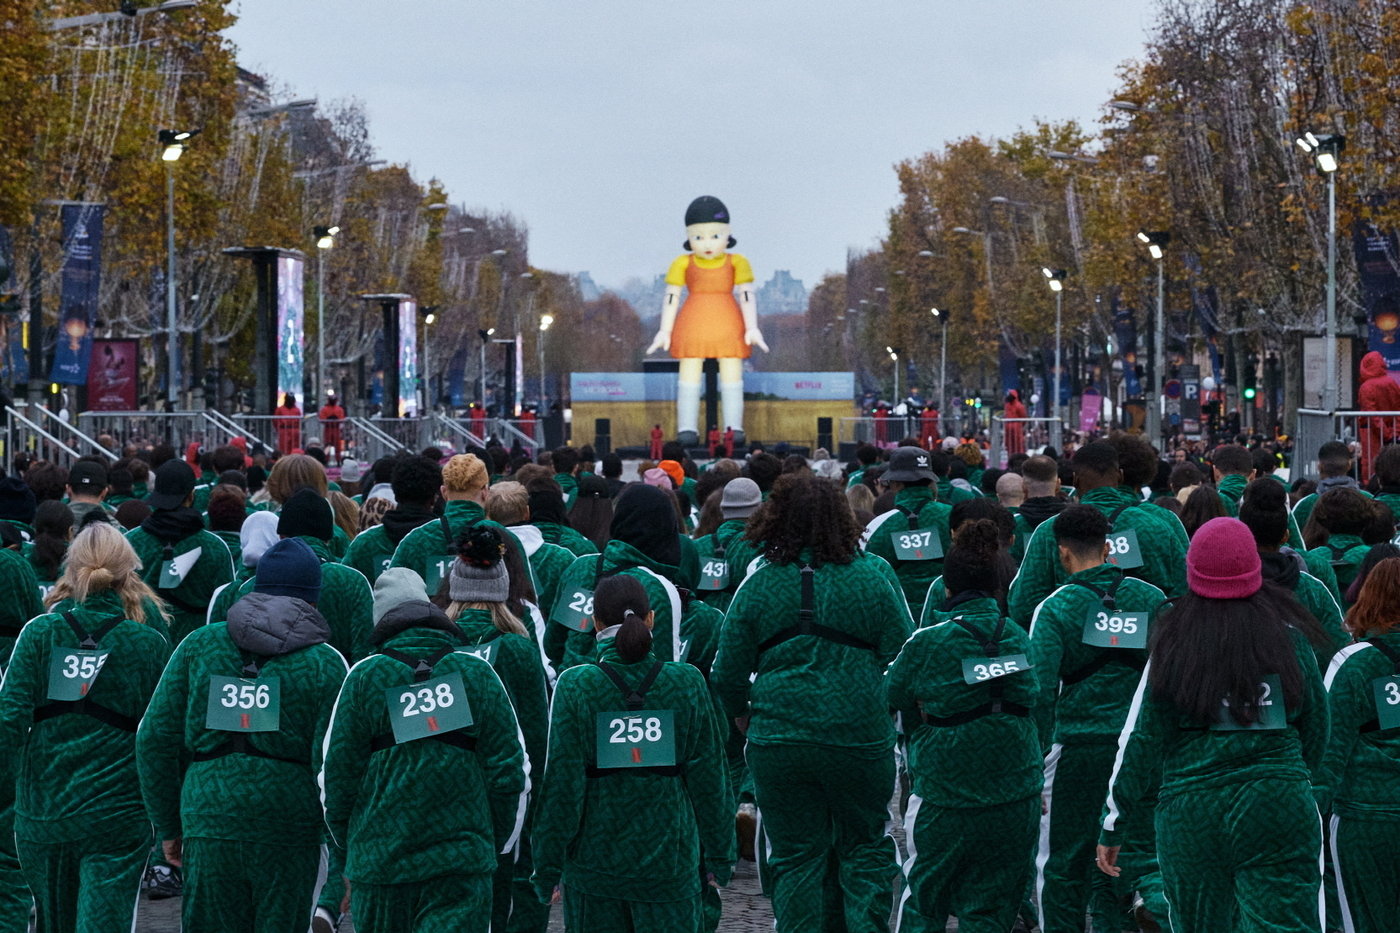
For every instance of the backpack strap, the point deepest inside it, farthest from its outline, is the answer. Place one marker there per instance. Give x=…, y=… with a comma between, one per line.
x=995, y=690
x=635, y=698
x=1113, y=516
x=447, y=533
x=89, y=641
x=1105, y=656
x=807, y=623
x=86, y=707
x=239, y=743
x=422, y=670
x=1108, y=596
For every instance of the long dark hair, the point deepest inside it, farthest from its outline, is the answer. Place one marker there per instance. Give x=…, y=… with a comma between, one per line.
x=1207, y=650
x=974, y=562
x=1200, y=507
x=622, y=600
x=805, y=513
x=52, y=522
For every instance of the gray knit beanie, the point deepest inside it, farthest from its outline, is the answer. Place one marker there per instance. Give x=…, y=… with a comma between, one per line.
x=396, y=586
x=479, y=573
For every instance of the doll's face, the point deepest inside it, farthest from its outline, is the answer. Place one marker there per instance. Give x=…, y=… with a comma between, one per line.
x=708, y=241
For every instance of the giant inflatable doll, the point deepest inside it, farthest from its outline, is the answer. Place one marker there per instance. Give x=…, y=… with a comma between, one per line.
x=711, y=323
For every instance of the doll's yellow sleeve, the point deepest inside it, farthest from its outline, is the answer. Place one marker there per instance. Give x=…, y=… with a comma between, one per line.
x=676, y=274
x=743, y=272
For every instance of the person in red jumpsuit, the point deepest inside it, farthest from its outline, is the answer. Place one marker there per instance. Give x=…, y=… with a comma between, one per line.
x=657, y=436
x=527, y=426
x=1379, y=392
x=728, y=441
x=1015, y=430
x=478, y=419
x=712, y=440
x=288, y=424
x=928, y=427
x=331, y=415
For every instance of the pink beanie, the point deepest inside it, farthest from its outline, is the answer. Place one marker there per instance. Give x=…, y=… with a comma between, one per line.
x=1223, y=560
x=657, y=477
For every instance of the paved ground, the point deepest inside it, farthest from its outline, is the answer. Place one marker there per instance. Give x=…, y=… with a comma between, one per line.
x=745, y=910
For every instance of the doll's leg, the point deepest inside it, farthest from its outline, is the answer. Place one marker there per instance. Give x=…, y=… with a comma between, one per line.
x=731, y=393
x=688, y=401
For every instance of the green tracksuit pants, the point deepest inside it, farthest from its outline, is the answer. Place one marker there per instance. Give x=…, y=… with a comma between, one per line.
x=88, y=885
x=972, y=863
x=333, y=891
x=1246, y=858
x=514, y=906
x=447, y=904
x=15, y=899
x=1067, y=882
x=243, y=887
x=820, y=802
x=586, y=913
x=1366, y=864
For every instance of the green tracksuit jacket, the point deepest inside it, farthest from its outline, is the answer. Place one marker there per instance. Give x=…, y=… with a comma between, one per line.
x=1359, y=781
x=371, y=553
x=568, y=538
x=76, y=773
x=1086, y=689
x=188, y=602
x=268, y=795
x=1287, y=568
x=1390, y=497
x=952, y=495
x=1237, y=828
x=19, y=600
x=791, y=700
x=234, y=543
x=346, y=603
x=1161, y=539
x=427, y=552
x=569, y=484
x=566, y=647
x=1303, y=510
x=378, y=806
x=915, y=509
x=548, y=563
x=1345, y=554
x=972, y=815
x=718, y=547
x=588, y=824
x=516, y=660
x=700, y=628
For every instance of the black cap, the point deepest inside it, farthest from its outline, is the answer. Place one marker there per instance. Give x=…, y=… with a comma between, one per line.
x=174, y=483
x=706, y=210
x=88, y=477
x=908, y=465
x=306, y=513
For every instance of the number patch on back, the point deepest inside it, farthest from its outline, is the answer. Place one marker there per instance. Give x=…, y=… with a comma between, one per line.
x=574, y=610
x=644, y=739
x=1123, y=550
x=1115, y=629
x=244, y=705
x=981, y=670
x=1386, y=691
x=917, y=545
x=1272, y=715
x=714, y=575
x=73, y=671
x=432, y=707
x=437, y=568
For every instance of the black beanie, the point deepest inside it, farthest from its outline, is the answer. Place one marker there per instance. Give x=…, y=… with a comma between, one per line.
x=306, y=513
x=16, y=500
x=645, y=518
x=547, y=505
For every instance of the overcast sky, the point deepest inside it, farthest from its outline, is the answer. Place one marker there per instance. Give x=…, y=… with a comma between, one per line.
x=597, y=121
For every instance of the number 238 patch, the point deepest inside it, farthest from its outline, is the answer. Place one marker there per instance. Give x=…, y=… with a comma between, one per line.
x=427, y=708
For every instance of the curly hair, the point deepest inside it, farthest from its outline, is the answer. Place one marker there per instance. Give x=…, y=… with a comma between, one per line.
x=804, y=513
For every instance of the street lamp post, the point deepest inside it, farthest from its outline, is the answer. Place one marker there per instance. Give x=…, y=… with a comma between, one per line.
x=1325, y=150
x=942, y=367
x=1056, y=279
x=1155, y=240
x=325, y=239
x=545, y=321
x=894, y=357
x=429, y=315
x=173, y=143
x=485, y=339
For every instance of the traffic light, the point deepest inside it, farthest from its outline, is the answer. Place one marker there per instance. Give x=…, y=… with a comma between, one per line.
x=1251, y=377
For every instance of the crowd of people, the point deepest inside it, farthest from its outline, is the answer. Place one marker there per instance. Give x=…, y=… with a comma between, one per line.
x=445, y=692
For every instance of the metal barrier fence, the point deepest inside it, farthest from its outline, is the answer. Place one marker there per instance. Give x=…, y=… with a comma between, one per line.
x=1372, y=430
x=1018, y=435
x=144, y=428
x=882, y=432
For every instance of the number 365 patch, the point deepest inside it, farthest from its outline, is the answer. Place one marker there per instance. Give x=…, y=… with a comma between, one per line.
x=980, y=670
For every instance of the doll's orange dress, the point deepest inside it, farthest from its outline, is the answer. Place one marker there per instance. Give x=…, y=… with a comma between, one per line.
x=709, y=324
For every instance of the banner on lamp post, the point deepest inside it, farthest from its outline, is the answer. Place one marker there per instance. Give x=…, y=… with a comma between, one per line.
x=408, y=358
x=79, y=284
x=111, y=377
x=291, y=324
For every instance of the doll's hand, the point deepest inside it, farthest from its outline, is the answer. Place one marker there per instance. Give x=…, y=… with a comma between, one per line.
x=662, y=342
x=754, y=338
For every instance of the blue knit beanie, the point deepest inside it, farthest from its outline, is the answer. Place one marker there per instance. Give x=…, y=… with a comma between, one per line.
x=289, y=568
